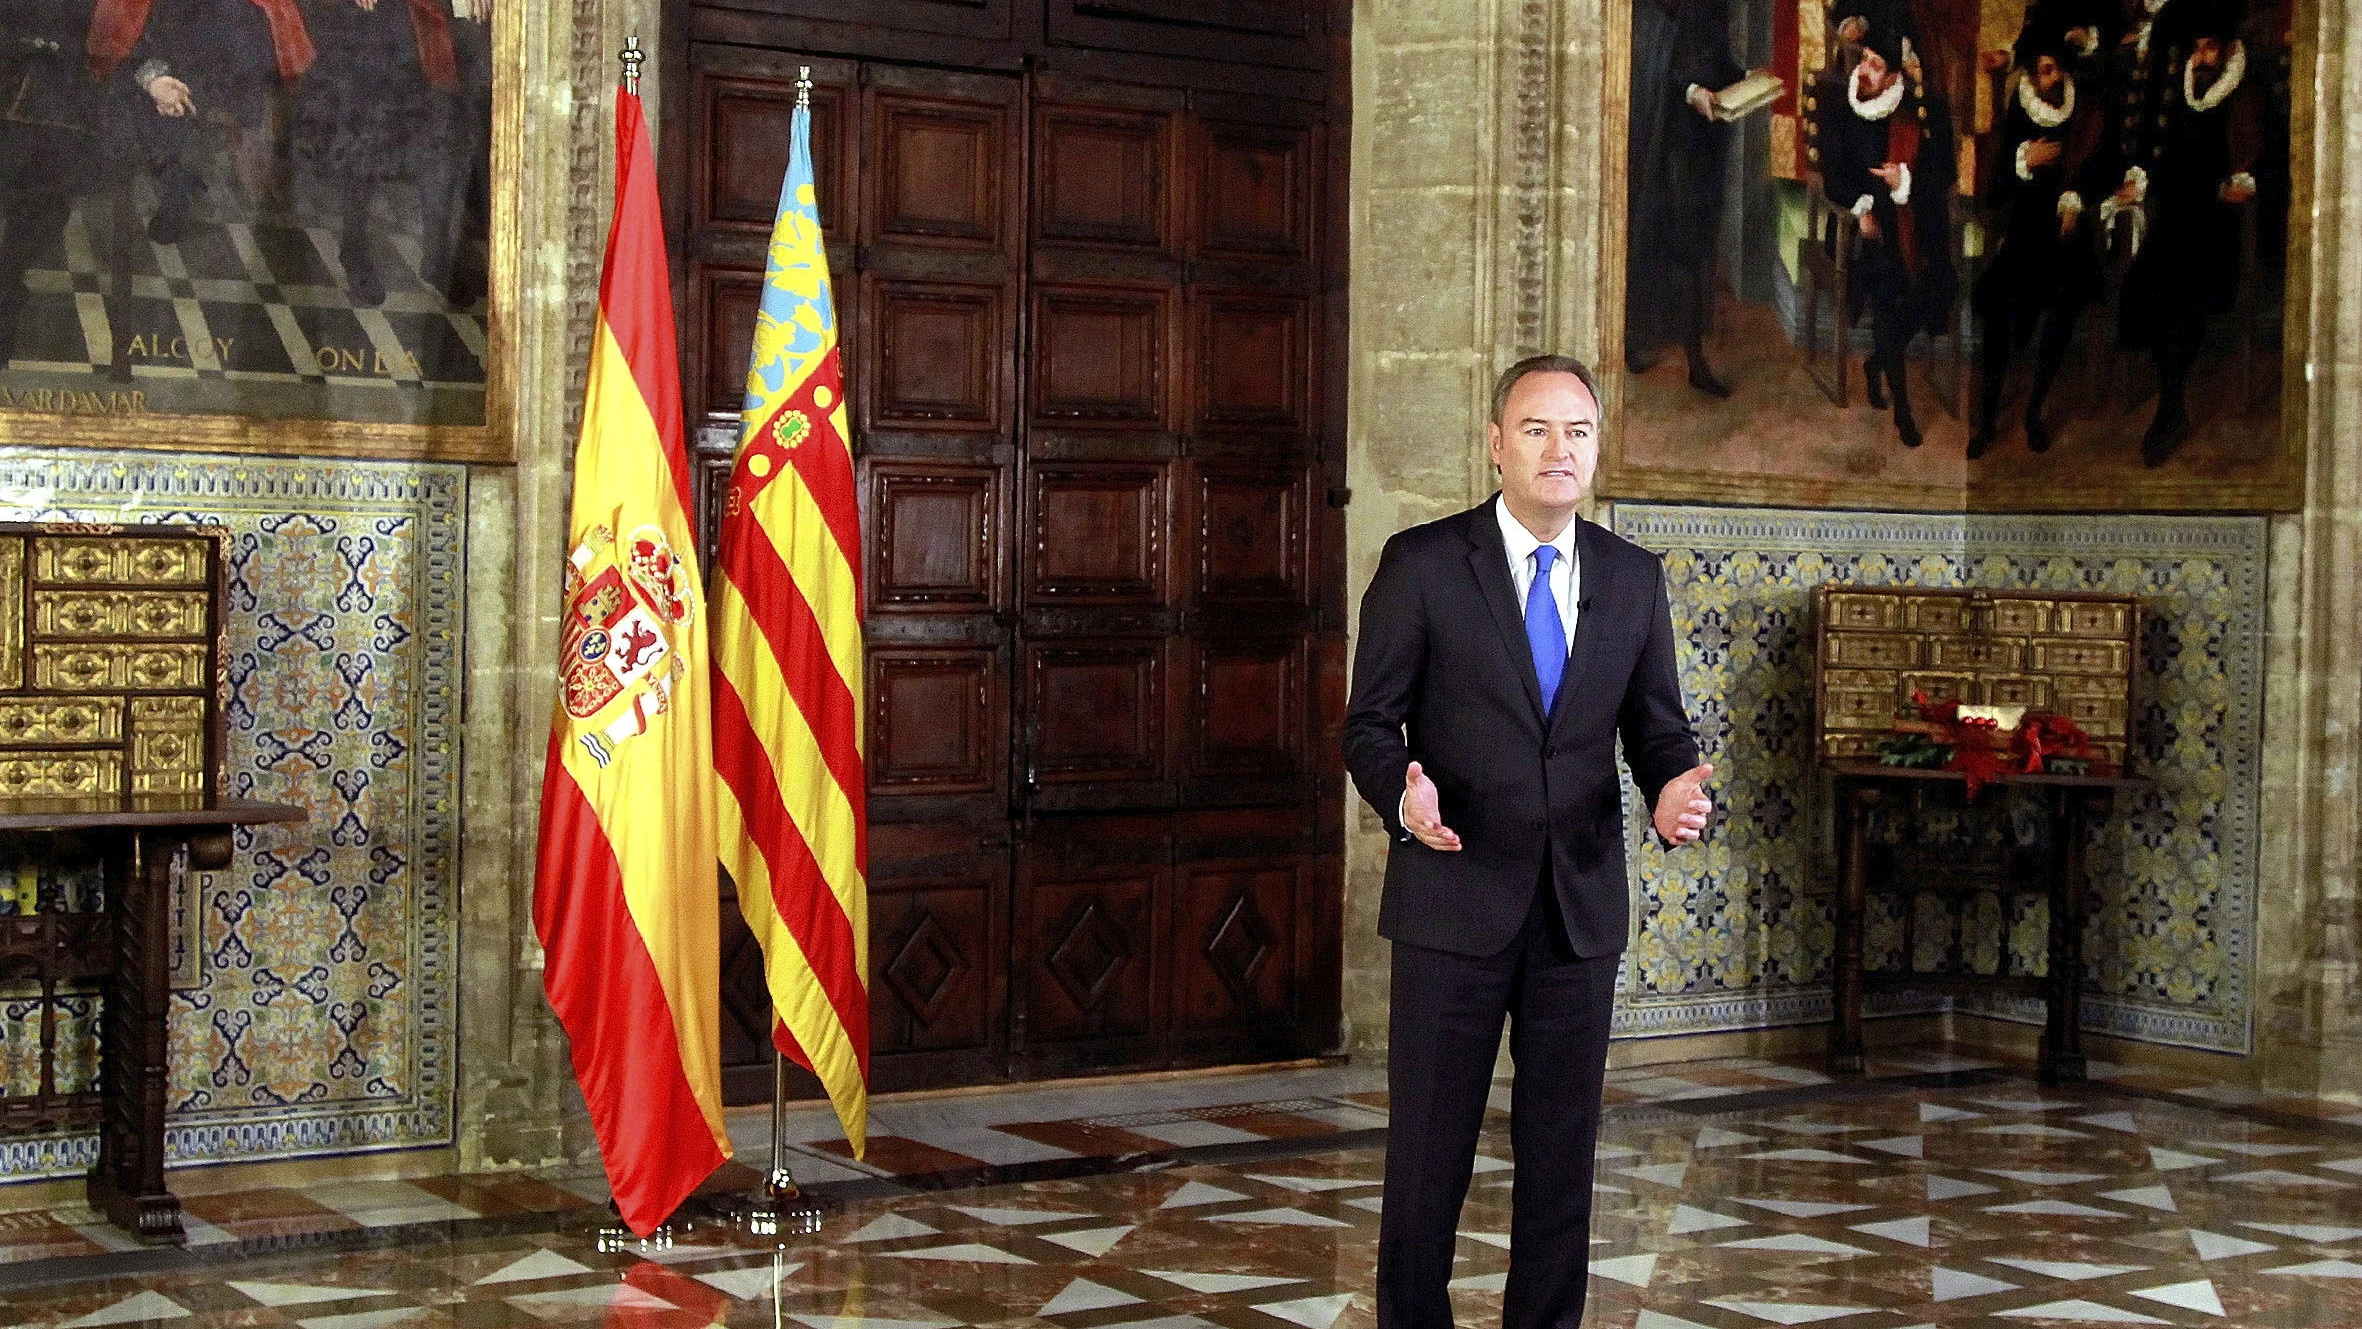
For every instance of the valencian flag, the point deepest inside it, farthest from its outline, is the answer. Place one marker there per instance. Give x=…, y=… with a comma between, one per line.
x=787, y=666
x=625, y=898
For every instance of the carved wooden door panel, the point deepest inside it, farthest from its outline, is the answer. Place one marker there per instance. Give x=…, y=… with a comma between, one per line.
x=932, y=351
x=1246, y=947
x=1100, y=582
x=1164, y=706
x=918, y=177
x=1083, y=326
x=1261, y=32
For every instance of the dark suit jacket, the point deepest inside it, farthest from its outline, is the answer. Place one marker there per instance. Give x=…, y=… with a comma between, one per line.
x=1443, y=655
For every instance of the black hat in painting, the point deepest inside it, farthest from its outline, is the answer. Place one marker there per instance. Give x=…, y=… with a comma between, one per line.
x=2181, y=22
x=2039, y=40
x=1888, y=40
x=2219, y=19
x=1887, y=25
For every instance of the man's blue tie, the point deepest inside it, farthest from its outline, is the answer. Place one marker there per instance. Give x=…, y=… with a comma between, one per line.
x=1545, y=631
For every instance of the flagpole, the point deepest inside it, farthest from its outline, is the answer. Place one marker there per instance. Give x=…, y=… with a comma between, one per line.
x=612, y=1233
x=778, y=1208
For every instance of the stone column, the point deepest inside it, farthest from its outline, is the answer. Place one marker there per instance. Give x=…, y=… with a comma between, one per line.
x=1476, y=240
x=2309, y=1035
x=517, y=1104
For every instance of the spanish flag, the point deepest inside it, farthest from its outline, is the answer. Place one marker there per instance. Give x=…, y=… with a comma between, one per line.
x=626, y=900
x=787, y=666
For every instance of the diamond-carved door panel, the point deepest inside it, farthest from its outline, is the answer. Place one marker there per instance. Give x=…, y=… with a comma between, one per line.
x=1241, y=945
x=1089, y=942
x=927, y=988
x=1088, y=957
x=1234, y=969
x=937, y=987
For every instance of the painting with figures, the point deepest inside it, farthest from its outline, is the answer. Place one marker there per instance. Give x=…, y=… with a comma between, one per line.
x=239, y=214
x=1995, y=254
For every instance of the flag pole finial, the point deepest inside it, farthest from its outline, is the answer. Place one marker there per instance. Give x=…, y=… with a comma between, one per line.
x=804, y=87
x=632, y=57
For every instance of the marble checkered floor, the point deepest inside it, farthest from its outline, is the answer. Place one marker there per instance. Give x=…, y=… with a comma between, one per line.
x=1731, y=1195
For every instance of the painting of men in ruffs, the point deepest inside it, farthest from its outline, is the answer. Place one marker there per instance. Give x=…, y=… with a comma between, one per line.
x=274, y=209
x=2000, y=253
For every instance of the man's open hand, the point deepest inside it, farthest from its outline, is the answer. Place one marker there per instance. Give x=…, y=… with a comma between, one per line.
x=1422, y=812
x=1683, y=807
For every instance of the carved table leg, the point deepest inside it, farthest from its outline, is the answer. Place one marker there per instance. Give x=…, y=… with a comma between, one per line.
x=127, y=1184
x=2075, y=814
x=1854, y=801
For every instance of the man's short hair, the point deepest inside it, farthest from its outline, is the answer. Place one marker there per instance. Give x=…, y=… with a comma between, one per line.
x=1540, y=364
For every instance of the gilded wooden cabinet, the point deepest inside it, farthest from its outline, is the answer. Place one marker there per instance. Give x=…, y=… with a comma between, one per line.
x=2067, y=653
x=109, y=660
x=110, y=766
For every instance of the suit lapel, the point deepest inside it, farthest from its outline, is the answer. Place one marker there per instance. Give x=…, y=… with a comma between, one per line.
x=1488, y=562
x=1592, y=589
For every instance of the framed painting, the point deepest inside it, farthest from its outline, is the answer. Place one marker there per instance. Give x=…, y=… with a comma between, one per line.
x=2000, y=255
x=256, y=225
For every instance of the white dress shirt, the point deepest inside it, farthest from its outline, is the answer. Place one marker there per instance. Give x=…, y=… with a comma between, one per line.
x=1566, y=575
x=1566, y=587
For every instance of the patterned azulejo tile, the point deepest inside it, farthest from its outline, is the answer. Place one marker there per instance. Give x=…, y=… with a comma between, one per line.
x=1740, y=933
x=317, y=1018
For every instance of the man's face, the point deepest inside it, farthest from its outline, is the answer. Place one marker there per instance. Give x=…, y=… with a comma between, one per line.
x=1546, y=444
x=2048, y=78
x=2207, y=54
x=1872, y=75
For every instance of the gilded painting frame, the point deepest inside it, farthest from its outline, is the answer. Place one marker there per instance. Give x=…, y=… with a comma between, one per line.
x=1624, y=476
x=491, y=441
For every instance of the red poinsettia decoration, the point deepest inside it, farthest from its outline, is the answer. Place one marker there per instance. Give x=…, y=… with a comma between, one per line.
x=1978, y=748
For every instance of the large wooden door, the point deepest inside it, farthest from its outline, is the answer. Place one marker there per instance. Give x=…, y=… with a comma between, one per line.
x=1165, y=637
x=1085, y=329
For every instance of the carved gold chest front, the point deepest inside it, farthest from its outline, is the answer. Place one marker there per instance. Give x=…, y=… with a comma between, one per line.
x=2064, y=653
x=110, y=660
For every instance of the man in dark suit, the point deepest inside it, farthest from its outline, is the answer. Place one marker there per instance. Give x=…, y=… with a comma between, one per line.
x=1502, y=652
x=1887, y=155
x=2192, y=170
x=1678, y=152
x=2047, y=266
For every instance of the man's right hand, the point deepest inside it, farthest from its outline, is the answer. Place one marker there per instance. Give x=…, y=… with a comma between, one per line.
x=2042, y=152
x=1422, y=812
x=171, y=96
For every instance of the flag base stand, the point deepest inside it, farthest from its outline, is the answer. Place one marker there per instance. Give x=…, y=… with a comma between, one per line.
x=613, y=1237
x=778, y=1210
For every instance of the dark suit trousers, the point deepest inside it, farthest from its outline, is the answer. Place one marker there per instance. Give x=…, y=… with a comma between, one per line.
x=1442, y=1035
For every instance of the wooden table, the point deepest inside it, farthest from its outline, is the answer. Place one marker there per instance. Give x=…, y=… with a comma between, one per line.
x=2076, y=803
x=128, y=948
